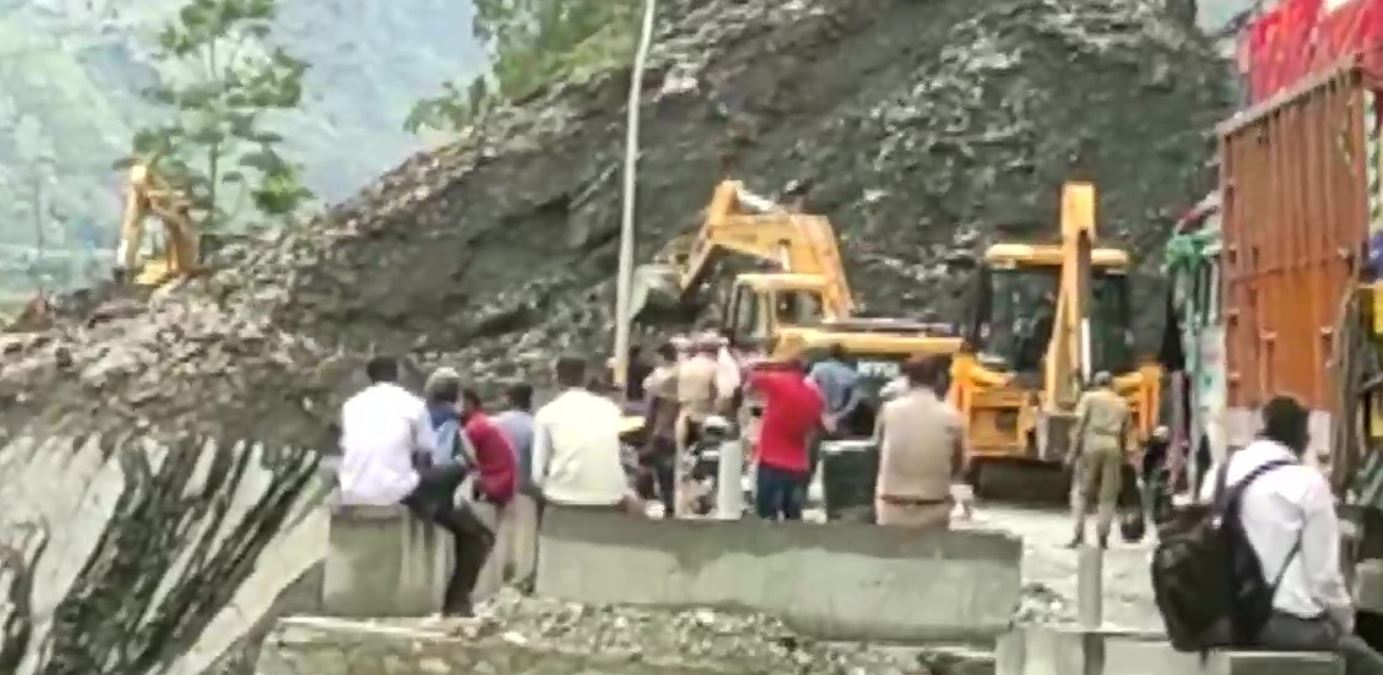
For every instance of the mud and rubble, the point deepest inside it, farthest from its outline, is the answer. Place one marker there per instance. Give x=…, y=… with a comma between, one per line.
x=925, y=129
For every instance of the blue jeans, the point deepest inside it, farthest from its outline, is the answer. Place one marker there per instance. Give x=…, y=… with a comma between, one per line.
x=779, y=493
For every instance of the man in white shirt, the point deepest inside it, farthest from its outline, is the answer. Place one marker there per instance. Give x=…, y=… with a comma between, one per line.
x=576, y=448
x=382, y=428
x=1289, y=517
x=386, y=435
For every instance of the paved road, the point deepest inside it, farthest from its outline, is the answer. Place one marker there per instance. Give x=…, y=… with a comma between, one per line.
x=1049, y=568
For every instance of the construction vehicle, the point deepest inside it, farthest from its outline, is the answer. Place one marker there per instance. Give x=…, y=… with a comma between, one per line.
x=1277, y=289
x=1045, y=319
x=800, y=301
x=146, y=193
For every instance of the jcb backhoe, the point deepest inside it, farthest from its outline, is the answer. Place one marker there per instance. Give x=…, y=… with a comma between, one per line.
x=146, y=193
x=801, y=302
x=1046, y=319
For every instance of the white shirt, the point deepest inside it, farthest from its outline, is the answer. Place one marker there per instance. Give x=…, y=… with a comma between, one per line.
x=576, y=451
x=381, y=428
x=1282, y=506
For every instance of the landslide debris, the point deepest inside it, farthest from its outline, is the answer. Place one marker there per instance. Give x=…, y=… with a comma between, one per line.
x=924, y=127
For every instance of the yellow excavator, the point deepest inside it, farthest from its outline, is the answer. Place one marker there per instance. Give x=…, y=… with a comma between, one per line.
x=799, y=302
x=1046, y=318
x=147, y=193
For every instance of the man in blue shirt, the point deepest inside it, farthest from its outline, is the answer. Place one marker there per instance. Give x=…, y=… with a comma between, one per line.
x=838, y=383
x=519, y=521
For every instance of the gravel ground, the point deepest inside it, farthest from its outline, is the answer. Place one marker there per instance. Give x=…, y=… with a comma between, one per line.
x=1049, y=568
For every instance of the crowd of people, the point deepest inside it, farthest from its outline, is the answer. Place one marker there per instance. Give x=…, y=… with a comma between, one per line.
x=486, y=477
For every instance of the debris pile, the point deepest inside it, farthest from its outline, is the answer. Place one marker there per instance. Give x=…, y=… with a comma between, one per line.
x=923, y=128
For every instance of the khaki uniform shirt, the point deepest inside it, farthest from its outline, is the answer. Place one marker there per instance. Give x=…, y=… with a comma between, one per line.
x=1102, y=416
x=696, y=387
x=918, y=434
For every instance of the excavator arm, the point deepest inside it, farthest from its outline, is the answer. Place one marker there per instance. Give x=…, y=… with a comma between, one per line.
x=739, y=222
x=1068, y=353
x=145, y=194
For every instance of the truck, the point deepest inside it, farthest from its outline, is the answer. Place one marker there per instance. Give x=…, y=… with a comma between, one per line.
x=1275, y=288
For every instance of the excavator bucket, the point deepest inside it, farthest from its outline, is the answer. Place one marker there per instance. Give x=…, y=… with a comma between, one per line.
x=654, y=285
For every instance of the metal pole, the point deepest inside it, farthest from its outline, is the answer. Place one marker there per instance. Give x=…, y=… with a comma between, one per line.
x=1090, y=587
x=626, y=235
x=729, y=492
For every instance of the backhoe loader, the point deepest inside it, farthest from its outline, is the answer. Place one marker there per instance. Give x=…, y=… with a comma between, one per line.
x=1046, y=318
x=147, y=193
x=801, y=301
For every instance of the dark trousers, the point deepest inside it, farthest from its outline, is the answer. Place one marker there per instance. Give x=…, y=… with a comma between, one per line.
x=1290, y=633
x=662, y=461
x=434, y=500
x=779, y=493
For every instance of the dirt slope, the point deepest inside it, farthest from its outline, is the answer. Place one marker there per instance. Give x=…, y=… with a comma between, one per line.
x=924, y=125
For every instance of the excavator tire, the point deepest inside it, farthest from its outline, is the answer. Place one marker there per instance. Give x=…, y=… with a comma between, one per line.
x=1021, y=481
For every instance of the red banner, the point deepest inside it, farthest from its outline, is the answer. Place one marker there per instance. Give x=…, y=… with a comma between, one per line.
x=1298, y=38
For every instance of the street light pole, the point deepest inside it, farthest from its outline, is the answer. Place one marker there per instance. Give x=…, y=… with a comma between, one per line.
x=626, y=234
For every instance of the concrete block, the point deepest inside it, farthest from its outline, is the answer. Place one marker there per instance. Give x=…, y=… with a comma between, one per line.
x=382, y=561
x=1368, y=585
x=1125, y=656
x=836, y=580
x=1050, y=650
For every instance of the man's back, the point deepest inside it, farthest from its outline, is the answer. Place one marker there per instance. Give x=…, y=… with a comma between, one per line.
x=696, y=386
x=494, y=458
x=517, y=426
x=918, y=449
x=1104, y=415
x=792, y=411
x=381, y=428
x=577, y=451
x=837, y=382
x=1286, y=507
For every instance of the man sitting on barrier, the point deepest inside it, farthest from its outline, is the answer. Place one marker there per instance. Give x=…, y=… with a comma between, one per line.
x=576, y=445
x=388, y=445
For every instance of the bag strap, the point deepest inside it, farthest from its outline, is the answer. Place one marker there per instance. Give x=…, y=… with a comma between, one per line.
x=1296, y=548
x=1227, y=500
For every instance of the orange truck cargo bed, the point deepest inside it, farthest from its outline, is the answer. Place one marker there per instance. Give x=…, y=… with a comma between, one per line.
x=1295, y=176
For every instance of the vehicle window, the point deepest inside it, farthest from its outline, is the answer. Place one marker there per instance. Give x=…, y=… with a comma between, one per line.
x=761, y=316
x=744, y=311
x=798, y=308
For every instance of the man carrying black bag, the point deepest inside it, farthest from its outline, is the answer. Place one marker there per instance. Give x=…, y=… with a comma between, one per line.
x=1262, y=568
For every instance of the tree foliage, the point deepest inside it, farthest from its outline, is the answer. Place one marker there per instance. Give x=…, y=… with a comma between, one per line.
x=221, y=82
x=532, y=44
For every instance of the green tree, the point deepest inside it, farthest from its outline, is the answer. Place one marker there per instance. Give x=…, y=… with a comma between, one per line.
x=532, y=44
x=221, y=81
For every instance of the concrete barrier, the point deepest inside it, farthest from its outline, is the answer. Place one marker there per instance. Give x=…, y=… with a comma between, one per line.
x=1049, y=650
x=836, y=581
x=382, y=561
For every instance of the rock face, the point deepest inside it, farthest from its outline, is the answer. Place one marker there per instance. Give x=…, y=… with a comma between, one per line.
x=158, y=456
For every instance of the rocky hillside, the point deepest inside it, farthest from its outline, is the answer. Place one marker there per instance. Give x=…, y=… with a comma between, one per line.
x=925, y=127
x=72, y=73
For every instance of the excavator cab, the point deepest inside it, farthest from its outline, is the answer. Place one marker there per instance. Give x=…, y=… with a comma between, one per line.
x=761, y=305
x=1015, y=304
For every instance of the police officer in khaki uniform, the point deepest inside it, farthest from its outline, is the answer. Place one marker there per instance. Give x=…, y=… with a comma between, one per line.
x=1102, y=420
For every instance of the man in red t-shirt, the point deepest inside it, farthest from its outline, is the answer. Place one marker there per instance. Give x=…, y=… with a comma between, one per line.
x=494, y=465
x=792, y=413
x=494, y=461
